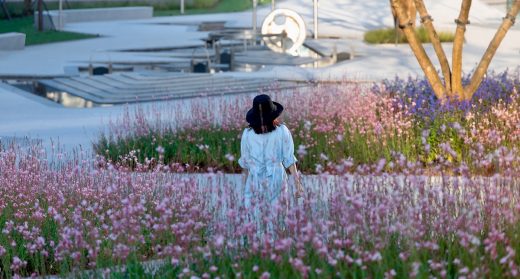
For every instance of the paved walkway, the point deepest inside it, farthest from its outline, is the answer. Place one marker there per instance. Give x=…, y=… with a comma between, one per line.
x=25, y=115
x=348, y=20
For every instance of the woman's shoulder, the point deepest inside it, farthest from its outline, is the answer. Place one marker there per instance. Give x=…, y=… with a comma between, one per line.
x=280, y=129
x=283, y=128
x=246, y=131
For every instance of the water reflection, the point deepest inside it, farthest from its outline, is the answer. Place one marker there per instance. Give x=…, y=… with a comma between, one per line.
x=68, y=100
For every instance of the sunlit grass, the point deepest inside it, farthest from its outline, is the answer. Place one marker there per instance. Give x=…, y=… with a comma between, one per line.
x=33, y=37
x=223, y=6
x=391, y=36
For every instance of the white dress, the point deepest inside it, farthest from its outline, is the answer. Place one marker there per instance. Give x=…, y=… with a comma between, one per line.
x=266, y=156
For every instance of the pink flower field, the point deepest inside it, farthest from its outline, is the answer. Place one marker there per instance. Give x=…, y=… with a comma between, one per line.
x=394, y=187
x=68, y=217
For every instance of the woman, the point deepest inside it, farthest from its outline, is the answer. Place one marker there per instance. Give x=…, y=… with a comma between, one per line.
x=267, y=149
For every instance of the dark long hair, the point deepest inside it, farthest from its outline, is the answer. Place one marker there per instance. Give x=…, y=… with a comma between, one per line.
x=266, y=128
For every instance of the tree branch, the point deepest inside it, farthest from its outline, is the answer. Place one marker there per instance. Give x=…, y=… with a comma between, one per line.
x=482, y=67
x=418, y=50
x=426, y=20
x=461, y=21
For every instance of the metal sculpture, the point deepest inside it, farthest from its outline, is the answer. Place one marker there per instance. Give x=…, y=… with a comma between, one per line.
x=284, y=31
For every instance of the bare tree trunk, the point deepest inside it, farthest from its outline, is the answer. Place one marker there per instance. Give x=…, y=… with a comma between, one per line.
x=426, y=20
x=424, y=61
x=40, y=15
x=482, y=67
x=462, y=21
x=453, y=86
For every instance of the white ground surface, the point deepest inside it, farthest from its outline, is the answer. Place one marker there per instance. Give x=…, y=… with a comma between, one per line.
x=26, y=115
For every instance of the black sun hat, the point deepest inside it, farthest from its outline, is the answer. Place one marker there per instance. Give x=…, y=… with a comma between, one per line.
x=264, y=110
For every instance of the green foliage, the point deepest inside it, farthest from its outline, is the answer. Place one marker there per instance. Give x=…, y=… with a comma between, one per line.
x=399, y=256
x=161, y=8
x=222, y=6
x=189, y=147
x=444, y=138
x=182, y=147
x=442, y=129
x=388, y=36
x=37, y=261
x=33, y=37
x=16, y=8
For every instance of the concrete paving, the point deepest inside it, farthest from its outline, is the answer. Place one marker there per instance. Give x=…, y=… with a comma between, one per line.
x=26, y=115
x=347, y=20
x=341, y=24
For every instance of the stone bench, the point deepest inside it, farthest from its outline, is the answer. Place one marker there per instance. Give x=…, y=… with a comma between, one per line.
x=12, y=41
x=86, y=15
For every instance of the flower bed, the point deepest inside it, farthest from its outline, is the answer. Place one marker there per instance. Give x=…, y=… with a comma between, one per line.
x=336, y=128
x=406, y=187
x=69, y=217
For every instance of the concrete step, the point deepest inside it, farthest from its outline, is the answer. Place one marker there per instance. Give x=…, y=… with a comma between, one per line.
x=135, y=87
x=118, y=88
